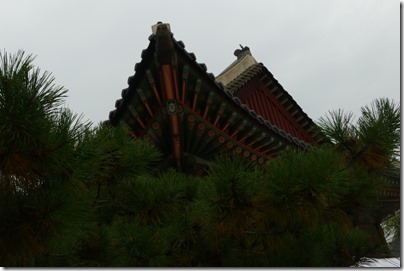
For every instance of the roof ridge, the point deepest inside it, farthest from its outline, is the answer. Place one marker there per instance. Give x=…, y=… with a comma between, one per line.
x=244, y=77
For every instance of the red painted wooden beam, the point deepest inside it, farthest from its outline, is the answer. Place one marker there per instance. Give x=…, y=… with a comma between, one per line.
x=170, y=95
x=166, y=64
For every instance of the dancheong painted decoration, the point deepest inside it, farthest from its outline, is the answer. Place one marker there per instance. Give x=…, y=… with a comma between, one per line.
x=190, y=115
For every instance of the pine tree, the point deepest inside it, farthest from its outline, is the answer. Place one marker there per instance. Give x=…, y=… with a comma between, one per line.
x=291, y=213
x=41, y=200
x=371, y=144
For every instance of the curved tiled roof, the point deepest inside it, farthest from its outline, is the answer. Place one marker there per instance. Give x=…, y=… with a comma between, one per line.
x=147, y=54
x=251, y=72
x=139, y=96
x=243, y=78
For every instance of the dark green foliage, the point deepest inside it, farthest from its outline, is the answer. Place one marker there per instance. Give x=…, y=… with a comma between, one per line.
x=373, y=142
x=148, y=212
x=372, y=147
x=228, y=205
x=41, y=201
x=307, y=206
x=28, y=99
x=281, y=217
x=379, y=125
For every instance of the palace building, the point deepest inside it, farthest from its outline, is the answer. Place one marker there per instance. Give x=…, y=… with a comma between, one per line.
x=190, y=115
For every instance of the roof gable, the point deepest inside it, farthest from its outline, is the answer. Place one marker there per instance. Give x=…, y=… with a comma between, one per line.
x=175, y=103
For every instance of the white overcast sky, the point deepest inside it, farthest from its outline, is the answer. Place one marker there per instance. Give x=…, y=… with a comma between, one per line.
x=328, y=54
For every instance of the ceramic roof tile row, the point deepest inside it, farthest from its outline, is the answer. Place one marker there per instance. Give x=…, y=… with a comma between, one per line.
x=240, y=81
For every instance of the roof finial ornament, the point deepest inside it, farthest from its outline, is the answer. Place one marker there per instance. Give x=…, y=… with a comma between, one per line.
x=154, y=27
x=240, y=52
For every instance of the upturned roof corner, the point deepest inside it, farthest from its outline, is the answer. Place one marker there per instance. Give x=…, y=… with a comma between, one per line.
x=190, y=115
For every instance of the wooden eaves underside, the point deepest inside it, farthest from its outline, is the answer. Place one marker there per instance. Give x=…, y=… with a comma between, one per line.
x=173, y=102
